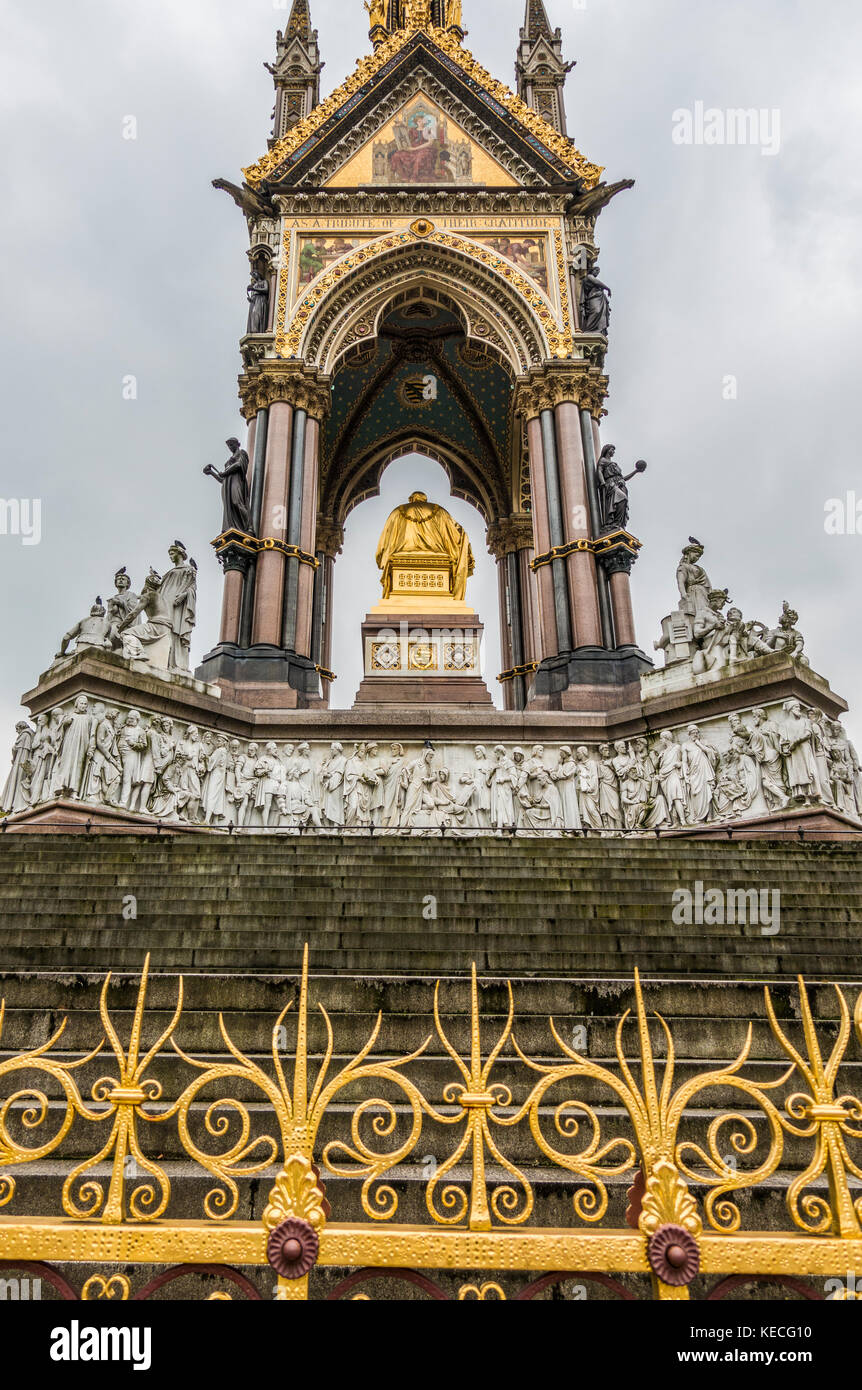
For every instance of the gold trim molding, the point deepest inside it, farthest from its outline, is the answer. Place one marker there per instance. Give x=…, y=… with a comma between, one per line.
x=560, y=341
x=368, y=67
x=617, y=540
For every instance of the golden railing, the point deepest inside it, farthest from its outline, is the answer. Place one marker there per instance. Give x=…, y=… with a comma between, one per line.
x=683, y=1220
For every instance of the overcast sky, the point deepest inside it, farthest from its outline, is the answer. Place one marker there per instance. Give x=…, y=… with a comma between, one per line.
x=119, y=258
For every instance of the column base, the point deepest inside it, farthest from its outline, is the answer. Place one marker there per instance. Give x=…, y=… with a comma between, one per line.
x=263, y=677
x=589, y=678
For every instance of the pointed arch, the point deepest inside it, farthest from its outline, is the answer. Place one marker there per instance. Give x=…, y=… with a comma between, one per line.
x=498, y=304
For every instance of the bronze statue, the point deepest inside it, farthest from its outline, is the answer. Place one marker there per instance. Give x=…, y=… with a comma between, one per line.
x=235, y=494
x=595, y=304
x=258, y=298
x=613, y=492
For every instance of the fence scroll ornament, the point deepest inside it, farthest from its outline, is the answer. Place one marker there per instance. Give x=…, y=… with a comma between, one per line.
x=684, y=1215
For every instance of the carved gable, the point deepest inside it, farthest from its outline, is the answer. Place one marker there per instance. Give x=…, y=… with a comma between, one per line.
x=421, y=145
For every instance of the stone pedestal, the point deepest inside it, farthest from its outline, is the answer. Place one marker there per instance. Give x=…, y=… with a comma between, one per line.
x=431, y=658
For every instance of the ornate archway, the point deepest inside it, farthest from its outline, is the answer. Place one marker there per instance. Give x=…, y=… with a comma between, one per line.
x=500, y=306
x=418, y=369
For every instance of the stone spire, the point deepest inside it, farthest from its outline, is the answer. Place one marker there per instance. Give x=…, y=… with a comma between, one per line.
x=296, y=71
x=540, y=67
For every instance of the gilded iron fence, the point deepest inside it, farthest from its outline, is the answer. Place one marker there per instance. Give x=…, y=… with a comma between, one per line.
x=683, y=1220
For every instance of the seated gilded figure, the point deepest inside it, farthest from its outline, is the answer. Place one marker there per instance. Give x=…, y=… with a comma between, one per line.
x=424, y=554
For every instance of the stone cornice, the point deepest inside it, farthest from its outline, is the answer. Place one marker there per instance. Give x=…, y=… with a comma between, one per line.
x=544, y=388
x=271, y=381
x=372, y=202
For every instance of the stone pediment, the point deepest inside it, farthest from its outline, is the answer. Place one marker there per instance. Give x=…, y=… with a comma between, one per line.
x=502, y=128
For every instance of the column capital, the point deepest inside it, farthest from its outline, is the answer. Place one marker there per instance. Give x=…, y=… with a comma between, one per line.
x=235, y=551
x=618, y=552
x=509, y=535
x=269, y=381
x=544, y=388
x=330, y=537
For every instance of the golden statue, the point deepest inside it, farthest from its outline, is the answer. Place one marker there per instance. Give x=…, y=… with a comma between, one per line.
x=418, y=14
x=425, y=556
x=454, y=15
x=376, y=13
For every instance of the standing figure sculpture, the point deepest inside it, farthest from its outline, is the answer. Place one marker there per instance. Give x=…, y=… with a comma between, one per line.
x=14, y=796
x=234, y=487
x=612, y=489
x=180, y=592
x=595, y=303
x=258, y=298
x=692, y=579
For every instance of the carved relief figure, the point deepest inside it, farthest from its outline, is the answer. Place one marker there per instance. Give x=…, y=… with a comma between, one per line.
x=669, y=771
x=75, y=731
x=797, y=750
x=699, y=766
x=332, y=782
x=14, y=796
x=588, y=789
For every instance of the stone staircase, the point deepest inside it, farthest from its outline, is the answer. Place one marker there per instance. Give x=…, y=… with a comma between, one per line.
x=566, y=920
x=379, y=905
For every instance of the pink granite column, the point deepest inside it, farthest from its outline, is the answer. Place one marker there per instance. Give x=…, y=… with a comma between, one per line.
x=305, y=593
x=529, y=606
x=583, y=582
x=506, y=658
x=231, y=607
x=269, y=589
x=542, y=533
x=624, y=618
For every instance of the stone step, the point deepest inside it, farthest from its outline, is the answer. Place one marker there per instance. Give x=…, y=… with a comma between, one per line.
x=39, y=1187
x=516, y=1142
x=486, y=955
x=695, y=1036
x=340, y=994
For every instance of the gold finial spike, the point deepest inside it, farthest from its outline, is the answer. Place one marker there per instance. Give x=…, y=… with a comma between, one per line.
x=815, y=1056
x=475, y=1035
x=300, y=1070
x=647, y=1063
x=137, y=1025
